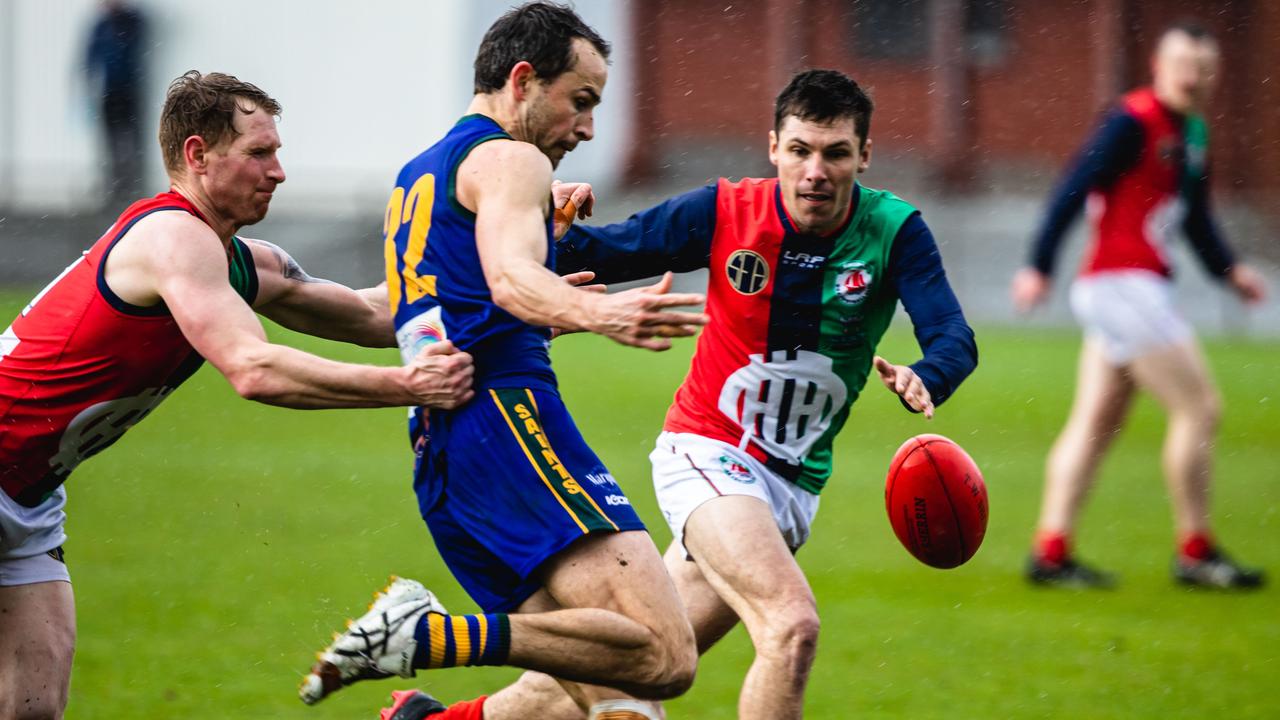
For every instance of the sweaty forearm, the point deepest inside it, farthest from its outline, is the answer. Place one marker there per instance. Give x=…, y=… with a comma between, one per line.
x=283, y=376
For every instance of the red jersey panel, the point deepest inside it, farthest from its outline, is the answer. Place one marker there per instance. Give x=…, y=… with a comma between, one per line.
x=80, y=366
x=739, y=295
x=1135, y=217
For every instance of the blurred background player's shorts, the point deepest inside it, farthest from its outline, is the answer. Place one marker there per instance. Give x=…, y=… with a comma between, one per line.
x=1130, y=312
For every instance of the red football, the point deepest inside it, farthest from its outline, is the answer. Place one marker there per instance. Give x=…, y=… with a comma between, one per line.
x=937, y=501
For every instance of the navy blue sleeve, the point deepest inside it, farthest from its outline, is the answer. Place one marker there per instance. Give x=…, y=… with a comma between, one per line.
x=1202, y=231
x=1113, y=149
x=673, y=235
x=915, y=269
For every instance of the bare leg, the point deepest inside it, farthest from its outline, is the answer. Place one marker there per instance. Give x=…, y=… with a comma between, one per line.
x=37, y=641
x=554, y=700
x=742, y=557
x=624, y=625
x=1179, y=379
x=1104, y=393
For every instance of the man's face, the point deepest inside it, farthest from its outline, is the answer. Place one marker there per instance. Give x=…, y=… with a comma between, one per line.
x=1185, y=71
x=243, y=172
x=560, y=113
x=817, y=165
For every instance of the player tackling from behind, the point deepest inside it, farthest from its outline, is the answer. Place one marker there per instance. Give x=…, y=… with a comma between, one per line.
x=169, y=286
x=1144, y=174
x=527, y=518
x=806, y=272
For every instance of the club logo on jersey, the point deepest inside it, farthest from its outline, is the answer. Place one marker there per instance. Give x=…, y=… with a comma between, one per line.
x=853, y=283
x=747, y=271
x=736, y=471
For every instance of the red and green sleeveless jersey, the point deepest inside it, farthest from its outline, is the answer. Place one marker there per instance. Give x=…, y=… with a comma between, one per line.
x=80, y=365
x=795, y=322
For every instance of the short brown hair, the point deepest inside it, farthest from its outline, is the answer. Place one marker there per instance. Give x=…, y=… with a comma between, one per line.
x=205, y=105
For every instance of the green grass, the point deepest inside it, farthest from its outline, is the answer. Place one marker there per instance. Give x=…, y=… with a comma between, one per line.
x=216, y=546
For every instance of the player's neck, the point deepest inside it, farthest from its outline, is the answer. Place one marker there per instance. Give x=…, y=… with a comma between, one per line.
x=221, y=225
x=501, y=110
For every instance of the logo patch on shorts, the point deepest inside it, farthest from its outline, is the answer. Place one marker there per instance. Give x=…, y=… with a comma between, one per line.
x=736, y=471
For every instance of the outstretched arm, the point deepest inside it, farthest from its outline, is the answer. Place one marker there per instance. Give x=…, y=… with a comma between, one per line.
x=674, y=235
x=950, y=353
x=509, y=183
x=185, y=263
x=298, y=301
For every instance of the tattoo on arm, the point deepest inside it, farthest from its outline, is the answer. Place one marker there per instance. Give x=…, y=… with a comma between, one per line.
x=289, y=268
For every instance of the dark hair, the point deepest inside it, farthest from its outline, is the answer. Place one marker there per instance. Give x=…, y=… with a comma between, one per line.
x=823, y=96
x=1190, y=28
x=205, y=105
x=541, y=33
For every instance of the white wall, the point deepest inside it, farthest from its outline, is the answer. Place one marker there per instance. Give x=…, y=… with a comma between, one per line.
x=364, y=85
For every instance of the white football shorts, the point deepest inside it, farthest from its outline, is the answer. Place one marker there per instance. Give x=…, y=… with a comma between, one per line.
x=27, y=536
x=1130, y=312
x=689, y=470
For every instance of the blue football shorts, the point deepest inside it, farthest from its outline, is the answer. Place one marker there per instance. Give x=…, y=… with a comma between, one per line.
x=506, y=483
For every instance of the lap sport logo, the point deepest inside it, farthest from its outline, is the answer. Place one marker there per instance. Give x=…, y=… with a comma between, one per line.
x=101, y=424
x=736, y=471
x=784, y=402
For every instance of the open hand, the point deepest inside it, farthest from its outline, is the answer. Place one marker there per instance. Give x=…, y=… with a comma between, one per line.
x=640, y=317
x=907, y=384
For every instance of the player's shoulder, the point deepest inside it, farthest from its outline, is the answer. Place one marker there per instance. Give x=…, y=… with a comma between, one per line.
x=503, y=167
x=170, y=233
x=509, y=154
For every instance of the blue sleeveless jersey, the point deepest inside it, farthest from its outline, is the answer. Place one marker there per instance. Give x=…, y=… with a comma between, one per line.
x=435, y=283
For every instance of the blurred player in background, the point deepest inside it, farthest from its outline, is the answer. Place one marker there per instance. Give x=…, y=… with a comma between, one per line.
x=1144, y=173
x=113, y=63
x=806, y=272
x=526, y=516
x=167, y=287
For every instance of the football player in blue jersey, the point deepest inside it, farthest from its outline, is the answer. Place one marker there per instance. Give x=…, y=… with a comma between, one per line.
x=525, y=515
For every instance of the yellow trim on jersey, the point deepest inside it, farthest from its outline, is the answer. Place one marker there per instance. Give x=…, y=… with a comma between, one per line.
x=585, y=494
x=534, y=463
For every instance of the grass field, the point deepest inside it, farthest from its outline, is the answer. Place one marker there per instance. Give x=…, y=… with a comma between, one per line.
x=217, y=545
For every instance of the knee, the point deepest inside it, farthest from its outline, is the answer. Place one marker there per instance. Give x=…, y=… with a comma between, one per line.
x=790, y=637
x=669, y=665
x=1204, y=412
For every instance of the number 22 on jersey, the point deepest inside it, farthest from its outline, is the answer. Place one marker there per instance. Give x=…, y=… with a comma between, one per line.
x=412, y=208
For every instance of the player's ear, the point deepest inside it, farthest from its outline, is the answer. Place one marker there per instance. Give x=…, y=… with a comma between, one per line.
x=773, y=147
x=864, y=156
x=194, y=152
x=521, y=77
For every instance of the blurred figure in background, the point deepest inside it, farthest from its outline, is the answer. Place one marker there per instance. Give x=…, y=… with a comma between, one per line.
x=1144, y=173
x=113, y=64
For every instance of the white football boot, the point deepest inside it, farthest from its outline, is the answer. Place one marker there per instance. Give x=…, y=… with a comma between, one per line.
x=378, y=645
